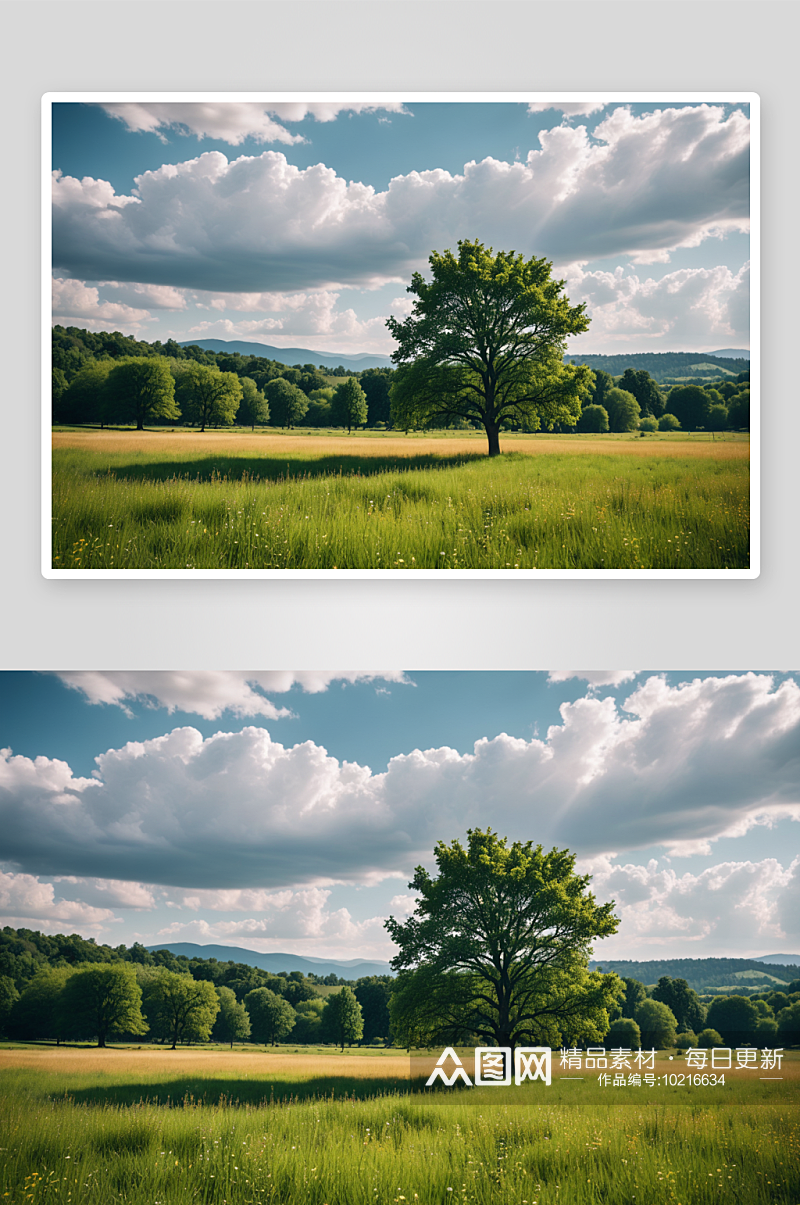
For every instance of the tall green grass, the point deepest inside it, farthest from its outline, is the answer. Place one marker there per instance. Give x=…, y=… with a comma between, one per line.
x=388, y=1149
x=515, y=512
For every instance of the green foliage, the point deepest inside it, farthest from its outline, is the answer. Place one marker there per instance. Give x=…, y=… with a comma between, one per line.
x=8, y=998
x=690, y=404
x=140, y=390
x=648, y=423
x=668, y=422
x=739, y=411
x=233, y=1022
x=639, y=382
x=373, y=995
x=485, y=342
x=253, y=407
x=684, y=1002
x=708, y=1038
x=178, y=1008
x=624, y=1032
x=686, y=1039
x=593, y=419
x=342, y=1019
x=735, y=1017
x=349, y=405
x=308, y=1022
x=375, y=382
x=600, y=384
x=657, y=1024
x=206, y=396
x=500, y=943
x=717, y=417
x=789, y=1024
x=287, y=403
x=101, y=1000
x=38, y=1013
x=271, y=1017
x=623, y=410
x=84, y=400
x=665, y=365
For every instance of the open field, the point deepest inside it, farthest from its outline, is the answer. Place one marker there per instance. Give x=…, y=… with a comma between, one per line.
x=157, y=1127
x=309, y=500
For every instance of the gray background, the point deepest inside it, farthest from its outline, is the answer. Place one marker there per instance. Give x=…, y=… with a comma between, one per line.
x=392, y=46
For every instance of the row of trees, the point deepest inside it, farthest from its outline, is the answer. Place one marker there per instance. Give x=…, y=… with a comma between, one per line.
x=154, y=389
x=98, y=1001
x=110, y=378
x=672, y=1014
x=634, y=401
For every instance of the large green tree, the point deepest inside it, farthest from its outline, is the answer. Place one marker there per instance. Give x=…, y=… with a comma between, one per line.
x=690, y=404
x=253, y=407
x=140, y=390
x=206, y=396
x=498, y=947
x=647, y=393
x=100, y=1000
x=287, y=403
x=178, y=1007
x=623, y=410
x=349, y=405
x=271, y=1017
x=690, y=1012
x=232, y=1023
x=342, y=1019
x=485, y=342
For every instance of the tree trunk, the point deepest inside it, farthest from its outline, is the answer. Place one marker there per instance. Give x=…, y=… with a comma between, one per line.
x=493, y=435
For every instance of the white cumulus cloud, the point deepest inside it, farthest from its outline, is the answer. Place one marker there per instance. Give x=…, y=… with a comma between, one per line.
x=595, y=677
x=671, y=764
x=638, y=186
x=233, y=121
x=208, y=693
x=724, y=909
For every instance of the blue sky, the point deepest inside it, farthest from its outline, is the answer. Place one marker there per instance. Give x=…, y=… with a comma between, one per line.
x=300, y=224
x=286, y=812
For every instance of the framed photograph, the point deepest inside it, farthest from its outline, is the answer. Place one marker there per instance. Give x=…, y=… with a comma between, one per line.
x=469, y=335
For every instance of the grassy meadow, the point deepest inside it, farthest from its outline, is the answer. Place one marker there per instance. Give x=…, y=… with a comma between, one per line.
x=382, y=500
x=248, y=1126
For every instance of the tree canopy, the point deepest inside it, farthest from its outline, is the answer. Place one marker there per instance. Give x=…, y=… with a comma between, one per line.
x=207, y=397
x=140, y=390
x=498, y=947
x=100, y=1000
x=349, y=405
x=342, y=1019
x=485, y=342
x=271, y=1017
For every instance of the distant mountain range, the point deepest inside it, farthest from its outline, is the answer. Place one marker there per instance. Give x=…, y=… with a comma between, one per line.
x=785, y=959
x=353, y=968
x=293, y=355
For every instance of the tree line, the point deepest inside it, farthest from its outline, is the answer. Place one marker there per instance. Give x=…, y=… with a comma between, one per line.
x=108, y=378
x=66, y=987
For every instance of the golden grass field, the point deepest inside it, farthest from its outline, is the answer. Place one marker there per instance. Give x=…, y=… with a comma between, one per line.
x=384, y=444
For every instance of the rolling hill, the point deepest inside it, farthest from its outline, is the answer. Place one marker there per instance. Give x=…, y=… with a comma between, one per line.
x=293, y=355
x=353, y=968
